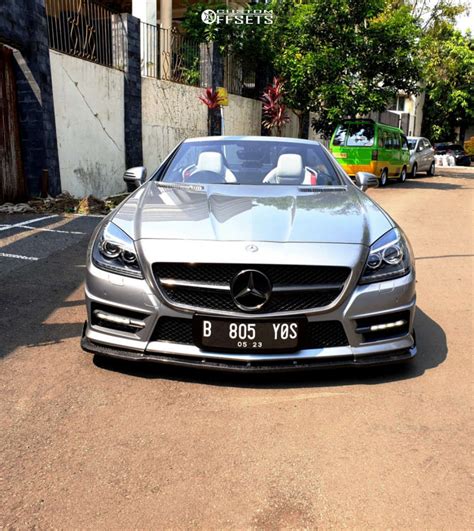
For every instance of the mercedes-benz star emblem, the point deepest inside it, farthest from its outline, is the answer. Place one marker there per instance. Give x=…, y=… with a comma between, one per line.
x=250, y=289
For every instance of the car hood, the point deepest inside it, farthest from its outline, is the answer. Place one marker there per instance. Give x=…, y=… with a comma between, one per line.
x=252, y=213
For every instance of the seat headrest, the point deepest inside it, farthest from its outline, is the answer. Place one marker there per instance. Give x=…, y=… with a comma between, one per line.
x=290, y=169
x=211, y=161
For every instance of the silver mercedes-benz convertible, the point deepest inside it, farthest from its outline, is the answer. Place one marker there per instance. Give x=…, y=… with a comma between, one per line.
x=250, y=254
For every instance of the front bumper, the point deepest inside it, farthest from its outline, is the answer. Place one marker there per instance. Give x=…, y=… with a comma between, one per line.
x=361, y=302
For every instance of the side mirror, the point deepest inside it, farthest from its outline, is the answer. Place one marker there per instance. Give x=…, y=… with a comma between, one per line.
x=366, y=180
x=134, y=177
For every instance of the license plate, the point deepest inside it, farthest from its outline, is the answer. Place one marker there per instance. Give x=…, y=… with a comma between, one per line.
x=214, y=333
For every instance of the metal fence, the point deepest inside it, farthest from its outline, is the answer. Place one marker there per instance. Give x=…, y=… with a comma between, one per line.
x=169, y=54
x=239, y=78
x=86, y=30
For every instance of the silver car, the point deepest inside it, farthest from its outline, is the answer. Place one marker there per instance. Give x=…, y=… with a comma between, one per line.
x=421, y=156
x=250, y=254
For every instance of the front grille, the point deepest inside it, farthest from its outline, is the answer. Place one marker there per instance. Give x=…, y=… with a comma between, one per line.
x=324, y=334
x=329, y=279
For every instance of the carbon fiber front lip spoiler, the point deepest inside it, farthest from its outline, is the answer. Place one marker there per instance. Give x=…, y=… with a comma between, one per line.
x=384, y=358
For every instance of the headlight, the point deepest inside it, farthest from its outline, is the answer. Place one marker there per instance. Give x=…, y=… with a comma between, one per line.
x=114, y=251
x=389, y=257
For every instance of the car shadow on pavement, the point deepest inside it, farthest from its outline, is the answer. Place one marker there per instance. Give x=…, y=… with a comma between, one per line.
x=429, y=184
x=34, y=291
x=432, y=351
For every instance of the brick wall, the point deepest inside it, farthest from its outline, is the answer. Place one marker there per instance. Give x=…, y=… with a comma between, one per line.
x=23, y=26
x=132, y=92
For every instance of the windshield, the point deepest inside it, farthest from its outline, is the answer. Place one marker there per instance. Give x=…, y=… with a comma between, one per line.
x=448, y=147
x=256, y=162
x=354, y=135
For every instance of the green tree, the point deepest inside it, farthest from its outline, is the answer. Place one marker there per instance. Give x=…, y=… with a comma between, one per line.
x=341, y=58
x=449, y=76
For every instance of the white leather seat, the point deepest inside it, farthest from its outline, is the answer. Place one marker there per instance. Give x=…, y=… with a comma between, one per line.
x=289, y=170
x=214, y=162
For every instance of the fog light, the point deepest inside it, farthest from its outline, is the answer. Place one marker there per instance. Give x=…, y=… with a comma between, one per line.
x=375, y=328
x=118, y=319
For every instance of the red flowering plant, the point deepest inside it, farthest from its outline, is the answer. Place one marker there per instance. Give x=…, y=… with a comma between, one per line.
x=274, y=110
x=212, y=100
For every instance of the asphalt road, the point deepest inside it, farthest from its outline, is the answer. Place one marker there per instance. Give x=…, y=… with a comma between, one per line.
x=113, y=445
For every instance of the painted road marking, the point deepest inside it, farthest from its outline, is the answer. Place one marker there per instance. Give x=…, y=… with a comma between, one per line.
x=28, y=222
x=25, y=233
x=88, y=215
x=52, y=230
x=19, y=256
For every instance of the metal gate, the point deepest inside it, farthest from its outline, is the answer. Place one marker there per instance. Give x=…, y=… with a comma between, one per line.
x=12, y=182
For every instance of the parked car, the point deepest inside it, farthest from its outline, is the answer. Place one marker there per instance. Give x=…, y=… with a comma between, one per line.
x=365, y=145
x=421, y=156
x=456, y=150
x=250, y=253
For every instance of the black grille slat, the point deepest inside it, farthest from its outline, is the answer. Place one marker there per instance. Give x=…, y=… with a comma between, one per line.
x=279, y=275
x=323, y=334
x=279, y=302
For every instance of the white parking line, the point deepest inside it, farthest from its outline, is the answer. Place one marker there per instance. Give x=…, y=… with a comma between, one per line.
x=52, y=230
x=28, y=222
x=19, y=256
x=88, y=215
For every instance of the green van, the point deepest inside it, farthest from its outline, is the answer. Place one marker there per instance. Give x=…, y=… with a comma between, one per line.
x=365, y=145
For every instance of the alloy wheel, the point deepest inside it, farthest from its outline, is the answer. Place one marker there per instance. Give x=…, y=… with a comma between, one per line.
x=431, y=171
x=403, y=175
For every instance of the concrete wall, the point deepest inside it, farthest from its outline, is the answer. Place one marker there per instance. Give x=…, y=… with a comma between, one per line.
x=242, y=116
x=171, y=112
x=291, y=128
x=89, y=114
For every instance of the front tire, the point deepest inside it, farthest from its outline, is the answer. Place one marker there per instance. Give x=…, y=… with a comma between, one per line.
x=414, y=169
x=384, y=177
x=431, y=171
x=403, y=175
